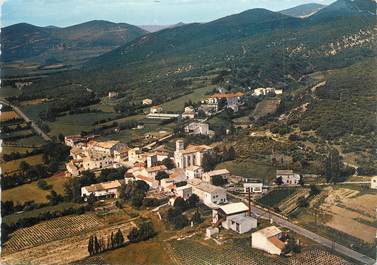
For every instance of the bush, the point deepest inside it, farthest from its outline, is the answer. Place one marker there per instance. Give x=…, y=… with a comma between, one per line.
x=43, y=185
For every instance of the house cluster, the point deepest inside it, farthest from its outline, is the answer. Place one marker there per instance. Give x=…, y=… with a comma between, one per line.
x=287, y=177
x=90, y=154
x=264, y=91
x=198, y=128
x=218, y=101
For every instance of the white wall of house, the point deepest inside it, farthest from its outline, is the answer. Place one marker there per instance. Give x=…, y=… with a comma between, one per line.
x=260, y=242
x=253, y=187
x=243, y=224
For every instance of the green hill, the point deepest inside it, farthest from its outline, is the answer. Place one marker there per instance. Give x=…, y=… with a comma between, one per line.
x=255, y=47
x=68, y=45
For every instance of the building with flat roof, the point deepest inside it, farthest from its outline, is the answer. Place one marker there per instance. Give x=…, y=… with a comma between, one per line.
x=234, y=216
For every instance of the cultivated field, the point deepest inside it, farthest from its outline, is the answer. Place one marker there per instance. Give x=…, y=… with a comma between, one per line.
x=238, y=252
x=351, y=212
x=265, y=107
x=59, y=241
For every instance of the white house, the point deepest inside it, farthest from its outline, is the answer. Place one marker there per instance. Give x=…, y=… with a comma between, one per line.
x=194, y=172
x=231, y=100
x=113, y=94
x=189, y=113
x=209, y=194
x=196, y=128
x=266, y=91
x=156, y=109
x=268, y=239
x=147, y=101
x=254, y=186
x=288, y=177
x=105, y=189
x=184, y=192
x=192, y=155
x=234, y=216
x=373, y=182
x=106, y=147
x=208, y=176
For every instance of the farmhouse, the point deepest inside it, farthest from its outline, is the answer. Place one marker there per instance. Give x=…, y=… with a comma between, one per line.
x=196, y=128
x=373, y=182
x=263, y=91
x=102, y=190
x=252, y=186
x=113, y=94
x=192, y=155
x=208, y=176
x=268, y=239
x=288, y=177
x=106, y=148
x=147, y=101
x=231, y=100
x=152, y=171
x=189, y=113
x=156, y=109
x=73, y=140
x=209, y=194
x=73, y=167
x=234, y=216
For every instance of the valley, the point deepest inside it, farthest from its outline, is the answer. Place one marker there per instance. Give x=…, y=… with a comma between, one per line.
x=249, y=139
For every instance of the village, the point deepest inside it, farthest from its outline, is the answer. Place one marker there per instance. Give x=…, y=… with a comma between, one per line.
x=182, y=176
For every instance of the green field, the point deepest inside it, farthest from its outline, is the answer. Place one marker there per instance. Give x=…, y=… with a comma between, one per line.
x=250, y=169
x=8, y=91
x=276, y=196
x=13, y=166
x=31, y=192
x=74, y=124
x=178, y=104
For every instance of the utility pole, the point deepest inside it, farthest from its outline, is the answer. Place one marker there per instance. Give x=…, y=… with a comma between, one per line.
x=249, y=200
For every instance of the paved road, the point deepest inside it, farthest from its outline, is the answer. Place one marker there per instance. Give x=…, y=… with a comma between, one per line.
x=26, y=118
x=283, y=221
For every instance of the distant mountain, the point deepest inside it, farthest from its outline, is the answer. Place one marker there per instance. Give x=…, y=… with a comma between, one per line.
x=69, y=45
x=302, y=11
x=155, y=28
x=347, y=8
x=257, y=47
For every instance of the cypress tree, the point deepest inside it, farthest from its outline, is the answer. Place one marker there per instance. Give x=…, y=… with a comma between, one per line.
x=96, y=245
x=90, y=246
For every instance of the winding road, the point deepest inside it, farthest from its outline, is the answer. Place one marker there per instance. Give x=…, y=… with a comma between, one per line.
x=284, y=222
x=27, y=119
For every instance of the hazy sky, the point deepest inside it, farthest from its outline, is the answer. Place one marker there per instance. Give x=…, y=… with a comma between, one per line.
x=137, y=12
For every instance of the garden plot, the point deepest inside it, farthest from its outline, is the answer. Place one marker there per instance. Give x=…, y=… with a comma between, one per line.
x=351, y=212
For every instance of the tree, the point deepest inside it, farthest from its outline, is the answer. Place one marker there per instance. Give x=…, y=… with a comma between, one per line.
x=97, y=246
x=61, y=137
x=209, y=162
x=196, y=218
x=279, y=181
x=133, y=235
x=180, y=204
x=333, y=166
x=24, y=166
x=169, y=164
x=137, y=198
x=43, y=185
x=192, y=201
x=91, y=246
x=302, y=202
x=161, y=175
x=219, y=181
x=180, y=221
x=91, y=199
x=54, y=198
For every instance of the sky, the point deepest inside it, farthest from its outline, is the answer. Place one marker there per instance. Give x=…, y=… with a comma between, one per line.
x=137, y=12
